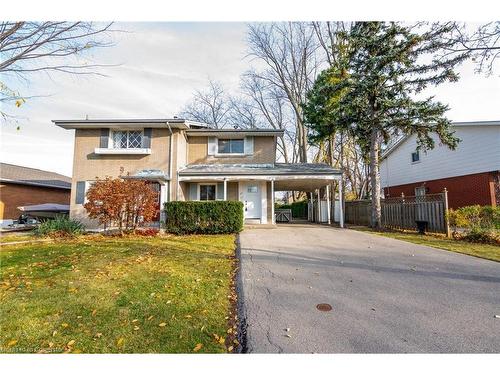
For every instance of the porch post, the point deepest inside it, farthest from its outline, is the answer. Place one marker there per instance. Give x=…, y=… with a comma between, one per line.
x=319, y=207
x=328, y=203
x=341, y=201
x=225, y=189
x=273, y=218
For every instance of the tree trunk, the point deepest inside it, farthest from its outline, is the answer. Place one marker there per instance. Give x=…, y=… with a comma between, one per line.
x=376, y=211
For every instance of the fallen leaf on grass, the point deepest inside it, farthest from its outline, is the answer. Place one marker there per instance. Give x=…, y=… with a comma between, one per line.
x=151, y=317
x=120, y=342
x=135, y=320
x=64, y=325
x=98, y=335
x=11, y=343
x=136, y=328
x=94, y=312
x=163, y=324
x=54, y=333
x=198, y=347
x=70, y=343
x=230, y=349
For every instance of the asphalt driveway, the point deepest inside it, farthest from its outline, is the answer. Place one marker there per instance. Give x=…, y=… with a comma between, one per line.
x=387, y=296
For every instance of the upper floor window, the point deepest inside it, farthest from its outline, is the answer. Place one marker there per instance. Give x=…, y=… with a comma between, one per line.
x=127, y=139
x=231, y=146
x=415, y=156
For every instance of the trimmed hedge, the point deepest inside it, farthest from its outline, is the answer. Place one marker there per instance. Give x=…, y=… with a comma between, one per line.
x=207, y=217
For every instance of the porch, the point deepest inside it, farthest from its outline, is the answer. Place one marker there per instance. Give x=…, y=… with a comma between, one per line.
x=257, y=185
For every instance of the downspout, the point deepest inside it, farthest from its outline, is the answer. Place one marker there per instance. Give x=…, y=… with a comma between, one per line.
x=170, y=161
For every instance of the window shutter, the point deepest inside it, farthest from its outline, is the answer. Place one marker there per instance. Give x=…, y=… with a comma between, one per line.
x=220, y=191
x=104, y=142
x=212, y=145
x=248, y=145
x=80, y=192
x=193, y=191
x=146, y=138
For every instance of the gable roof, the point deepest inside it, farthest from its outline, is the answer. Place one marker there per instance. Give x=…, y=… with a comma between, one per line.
x=394, y=145
x=16, y=174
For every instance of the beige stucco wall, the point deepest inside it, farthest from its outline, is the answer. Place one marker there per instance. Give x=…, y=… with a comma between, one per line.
x=264, y=152
x=87, y=165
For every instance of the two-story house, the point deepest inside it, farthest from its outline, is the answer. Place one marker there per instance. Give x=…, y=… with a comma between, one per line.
x=187, y=160
x=470, y=173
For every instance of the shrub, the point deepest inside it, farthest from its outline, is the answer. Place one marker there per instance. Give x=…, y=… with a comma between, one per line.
x=475, y=223
x=126, y=203
x=60, y=226
x=299, y=209
x=211, y=217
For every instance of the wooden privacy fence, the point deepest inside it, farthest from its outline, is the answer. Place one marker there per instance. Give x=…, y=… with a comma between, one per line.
x=404, y=212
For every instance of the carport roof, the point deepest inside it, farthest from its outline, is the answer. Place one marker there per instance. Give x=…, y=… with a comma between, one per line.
x=276, y=169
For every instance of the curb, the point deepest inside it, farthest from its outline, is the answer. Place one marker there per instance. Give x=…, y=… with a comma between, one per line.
x=240, y=305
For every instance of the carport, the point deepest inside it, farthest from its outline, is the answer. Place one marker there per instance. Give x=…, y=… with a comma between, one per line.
x=255, y=185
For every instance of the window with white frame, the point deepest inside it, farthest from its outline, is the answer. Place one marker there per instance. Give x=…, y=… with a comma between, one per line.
x=208, y=192
x=231, y=146
x=127, y=139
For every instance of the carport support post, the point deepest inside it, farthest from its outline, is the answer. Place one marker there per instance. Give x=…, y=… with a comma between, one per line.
x=328, y=203
x=273, y=218
x=225, y=189
x=341, y=202
x=319, y=208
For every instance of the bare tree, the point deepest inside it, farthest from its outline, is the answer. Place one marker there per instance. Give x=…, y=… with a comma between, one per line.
x=30, y=47
x=482, y=44
x=210, y=106
x=243, y=114
x=288, y=51
x=274, y=109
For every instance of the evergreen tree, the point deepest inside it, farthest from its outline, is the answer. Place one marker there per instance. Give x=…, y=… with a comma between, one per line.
x=371, y=93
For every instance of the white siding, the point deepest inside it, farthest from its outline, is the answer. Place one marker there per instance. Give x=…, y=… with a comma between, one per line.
x=478, y=151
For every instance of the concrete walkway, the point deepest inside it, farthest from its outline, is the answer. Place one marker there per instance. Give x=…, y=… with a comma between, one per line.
x=387, y=296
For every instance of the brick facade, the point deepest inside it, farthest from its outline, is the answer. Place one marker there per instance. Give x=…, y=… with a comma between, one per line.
x=14, y=195
x=479, y=188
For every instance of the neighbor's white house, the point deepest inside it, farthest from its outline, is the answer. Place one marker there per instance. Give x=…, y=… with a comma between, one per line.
x=470, y=173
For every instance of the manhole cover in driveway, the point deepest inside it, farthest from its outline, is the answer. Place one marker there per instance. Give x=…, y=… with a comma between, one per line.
x=323, y=307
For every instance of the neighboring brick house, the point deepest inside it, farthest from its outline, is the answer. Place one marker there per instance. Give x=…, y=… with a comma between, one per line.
x=187, y=160
x=23, y=186
x=470, y=173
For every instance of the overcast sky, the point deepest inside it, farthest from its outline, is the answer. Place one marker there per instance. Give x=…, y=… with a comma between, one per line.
x=160, y=67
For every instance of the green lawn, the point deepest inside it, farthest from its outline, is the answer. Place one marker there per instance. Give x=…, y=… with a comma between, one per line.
x=485, y=251
x=109, y=295
x=21, y=236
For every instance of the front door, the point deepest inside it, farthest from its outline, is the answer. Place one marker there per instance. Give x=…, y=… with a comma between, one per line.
x=251, y=200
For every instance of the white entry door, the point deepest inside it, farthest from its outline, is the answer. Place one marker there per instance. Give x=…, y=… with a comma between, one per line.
x=251, y=200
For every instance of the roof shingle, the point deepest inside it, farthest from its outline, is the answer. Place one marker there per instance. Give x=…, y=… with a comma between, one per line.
x=30, y=176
